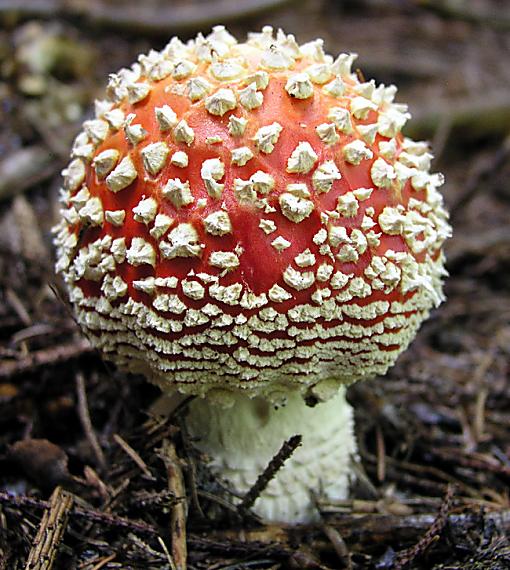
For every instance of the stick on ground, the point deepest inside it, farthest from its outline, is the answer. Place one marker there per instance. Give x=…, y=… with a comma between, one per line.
x=179, y=510
x=86, y=422
x=51, y=531
x=276, y=463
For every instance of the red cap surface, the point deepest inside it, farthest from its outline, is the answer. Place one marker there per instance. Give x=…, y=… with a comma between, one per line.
x=248, y=215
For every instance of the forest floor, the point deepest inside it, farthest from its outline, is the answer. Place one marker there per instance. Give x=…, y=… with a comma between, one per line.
x=81, y=474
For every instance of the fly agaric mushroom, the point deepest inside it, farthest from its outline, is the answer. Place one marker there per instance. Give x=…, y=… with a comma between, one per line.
x=245, y=222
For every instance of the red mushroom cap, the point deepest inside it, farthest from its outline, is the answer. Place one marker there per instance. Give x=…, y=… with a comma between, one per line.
x=249, y=215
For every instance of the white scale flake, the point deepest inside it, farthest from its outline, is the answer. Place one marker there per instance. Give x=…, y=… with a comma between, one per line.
x=218, y=223
x=302, y=159
x=335, y=88
x=115, y=118
x=184, y=133
x=266, y=137
x=267, y=226
x=166, y=117
x=115, y=217
x=305, y=259
x=193, y=289
x=92, y=212
x=198, y=88
x=183, y=241
x=280, y=243
x=145, y=211
x=295, y=208
x=162, y=223
x=221, y=102
x=298, y=280
x=137, y=92
x=227, y=260
x=105, y=162
x=278, y=294
x=360, y=107
x=327, y=133
x=135, y=133
x=122, y=175
x=212, y=171
x=319, y=73
x=324, y=176
x=74, y=175
x=96, y=129
x=299, y=86
x=154, y=157
x=382, y=173
x=347, y=205
x=141, y=252
x=237, y=125
x=356, y=151
x=241, y=155
x=250, y=98
x=178, y=192
x=342, y=119
x=179, y=159
x=262, y=182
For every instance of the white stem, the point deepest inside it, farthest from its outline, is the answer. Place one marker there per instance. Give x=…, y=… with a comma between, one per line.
x=242, y=439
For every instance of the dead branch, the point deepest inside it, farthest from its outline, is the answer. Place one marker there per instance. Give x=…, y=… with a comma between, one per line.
x=91, y=515
x=180, y=508
x=406, y=557
x=361, y=533
x=51, y=531
x=276, y=463
x=133, y=455
x=45, y=357
x=86, y=422
x=339, y=546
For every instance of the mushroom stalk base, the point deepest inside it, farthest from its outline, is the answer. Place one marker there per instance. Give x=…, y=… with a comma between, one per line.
x=241, y=440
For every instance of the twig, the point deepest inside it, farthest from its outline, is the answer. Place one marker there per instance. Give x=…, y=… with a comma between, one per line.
x=179, y=509
x=405, y=557
x=192, y=468
x=134, y=455
x=276, y=463
x=86, y=422
x=146, y=548
x=480, y=383
x=104, y=561
x=381, y=454
x=51, y=531
x=22, y=501
x=362, y=533
x=339, y=545
x=45, y=357
x=167, y=554
x=17, y=304
x=218, y=499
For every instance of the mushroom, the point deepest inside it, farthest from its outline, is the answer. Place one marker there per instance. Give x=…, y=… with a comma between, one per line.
x=246, y=223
